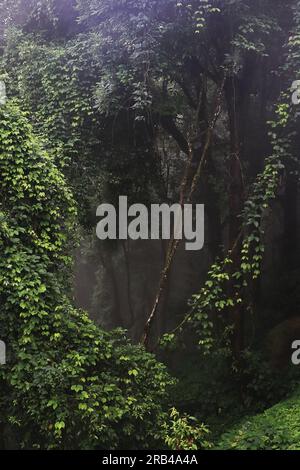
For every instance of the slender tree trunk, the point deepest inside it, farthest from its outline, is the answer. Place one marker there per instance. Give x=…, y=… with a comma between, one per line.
x=186, y=195
x=235, y=199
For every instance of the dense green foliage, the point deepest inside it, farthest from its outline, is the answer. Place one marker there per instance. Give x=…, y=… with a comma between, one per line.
x=165, y=101
x=68, y=384
x=275, y=429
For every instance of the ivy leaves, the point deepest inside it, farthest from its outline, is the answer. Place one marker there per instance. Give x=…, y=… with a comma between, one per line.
x=69, y=386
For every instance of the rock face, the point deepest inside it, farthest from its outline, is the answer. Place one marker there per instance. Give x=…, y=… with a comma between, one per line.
x=280, y=339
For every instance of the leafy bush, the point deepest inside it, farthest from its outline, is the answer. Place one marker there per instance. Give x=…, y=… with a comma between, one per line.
x=68, y=384
x=185, y=433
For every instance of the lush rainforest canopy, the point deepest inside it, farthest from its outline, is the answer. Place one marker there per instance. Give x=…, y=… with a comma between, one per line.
x=139, y=344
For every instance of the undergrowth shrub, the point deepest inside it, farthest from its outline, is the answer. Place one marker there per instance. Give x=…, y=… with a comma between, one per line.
x=67, y=383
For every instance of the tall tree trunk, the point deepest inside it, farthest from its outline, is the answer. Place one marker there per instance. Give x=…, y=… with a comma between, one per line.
x=188, y=188
x=235, y=200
